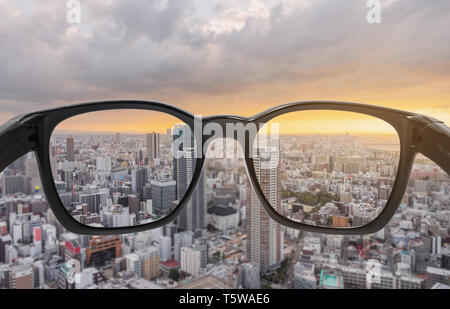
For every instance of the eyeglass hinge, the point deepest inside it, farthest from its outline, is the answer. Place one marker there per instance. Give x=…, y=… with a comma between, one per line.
x=31, y=124
x=418, y=131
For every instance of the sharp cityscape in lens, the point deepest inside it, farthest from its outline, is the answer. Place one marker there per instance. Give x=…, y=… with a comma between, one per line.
x=336, y=180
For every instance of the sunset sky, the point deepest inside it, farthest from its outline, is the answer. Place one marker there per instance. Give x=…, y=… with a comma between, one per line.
x=227, y=57
x=300, y=122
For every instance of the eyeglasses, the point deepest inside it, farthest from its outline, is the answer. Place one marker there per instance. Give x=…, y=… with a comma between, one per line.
x=127, y=166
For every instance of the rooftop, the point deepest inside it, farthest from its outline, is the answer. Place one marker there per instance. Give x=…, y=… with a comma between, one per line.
x=171, y=264
x=205, y=282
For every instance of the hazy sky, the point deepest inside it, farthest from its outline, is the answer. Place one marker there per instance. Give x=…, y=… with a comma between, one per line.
x=234, y=57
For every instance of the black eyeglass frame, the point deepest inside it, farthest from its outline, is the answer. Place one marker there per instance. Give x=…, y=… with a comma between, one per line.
x=417, y=134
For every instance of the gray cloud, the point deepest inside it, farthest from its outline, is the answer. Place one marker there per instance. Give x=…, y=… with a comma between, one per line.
x=164, y=50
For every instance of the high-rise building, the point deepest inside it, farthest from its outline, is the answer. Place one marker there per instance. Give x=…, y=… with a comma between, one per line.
x=184, y=170
x=190, y=261
x=264, y=240
x=384, y=192
x=165, y=248
x=436, y=275
x=17, y=232
x=193, y=215
x=201, y=245
x=138, y=180
x=32, y=170
x=436, y=244
x=153, y=145
x=147, y=192
x=64, y=275
x=37, y=238
x=149, y=262
x=103, y=164
x=5, y=240
x=163, y=194
x=133, y=204
x=183, y=239
x=94, y=201
x=250, y=277
x=123, y=200
x=180, y=141
x=38, y=275
x=72, y=250
x=3, y=228
x=21, y=277
x=133, y=263
x=70, y=144
x=115, y=216
x=16, y=183
x=102, y=249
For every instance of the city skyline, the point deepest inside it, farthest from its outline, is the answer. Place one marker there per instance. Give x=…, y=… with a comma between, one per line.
x=322, y=168
x=338, y=160
x=147, y=257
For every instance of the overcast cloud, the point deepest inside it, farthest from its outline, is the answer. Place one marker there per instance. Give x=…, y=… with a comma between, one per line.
x=238, y=56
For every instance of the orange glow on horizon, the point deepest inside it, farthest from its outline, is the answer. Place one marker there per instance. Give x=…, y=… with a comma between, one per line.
x=302, y=122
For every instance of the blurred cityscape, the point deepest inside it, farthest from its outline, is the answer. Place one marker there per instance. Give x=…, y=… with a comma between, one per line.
x=223, y=238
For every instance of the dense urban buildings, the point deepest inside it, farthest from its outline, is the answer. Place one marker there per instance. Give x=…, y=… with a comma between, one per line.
x=223, y=238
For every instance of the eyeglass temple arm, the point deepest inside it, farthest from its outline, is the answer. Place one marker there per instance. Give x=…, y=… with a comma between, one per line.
x=17, y=138
x=433, y=141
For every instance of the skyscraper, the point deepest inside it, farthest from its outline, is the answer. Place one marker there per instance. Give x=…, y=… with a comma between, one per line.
x=70, y=144
x=192, y=217
x=180, y=141
x=138, y=180
x=134, y=264
x=180, y=240
x=94, y=201
x=201, y=245
x=147, y=192
x=152, y=146
x=149, y=262
x=264, y=240
x=165, y=248
x=190, y=260
x=133, y=204
x=163, y=194
x=184, y=170
x=5, y=240
x=16, y=183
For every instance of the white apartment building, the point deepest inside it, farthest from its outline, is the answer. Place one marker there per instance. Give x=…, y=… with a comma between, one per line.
x=134, y=264
x=190, y=261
